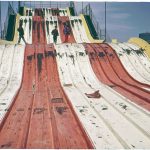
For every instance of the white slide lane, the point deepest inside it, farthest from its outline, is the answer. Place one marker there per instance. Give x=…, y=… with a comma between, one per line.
x=27, y=26
x=125, y=60
x=14, y=77
x=137, y=65
x=6, y=66
x=78, y=29
x=2, y=47
x=63, y=12
x=113, y=125
x=48, y=12
x=29, y=10
x=143, y=58
x=50, y=23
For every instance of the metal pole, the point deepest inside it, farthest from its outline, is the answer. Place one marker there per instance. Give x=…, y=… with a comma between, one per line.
x=18, y=5
x=82, y=7
x=105, y=21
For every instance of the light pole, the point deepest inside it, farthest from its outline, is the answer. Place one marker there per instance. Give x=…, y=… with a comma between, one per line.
x=105, y=21
x=82, y=7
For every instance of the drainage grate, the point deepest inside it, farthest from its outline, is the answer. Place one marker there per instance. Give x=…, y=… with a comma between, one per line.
x=57, y=100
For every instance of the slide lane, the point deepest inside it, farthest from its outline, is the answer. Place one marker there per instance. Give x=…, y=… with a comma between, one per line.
x=61, y=21
x=63, y=12
x=28, y=11
x=99, y=104
x=27, y=26
x=13, y=82
x=143, y=59
x=137, y=64
x=6, y=66
x=78, y=29
x=2, y=47
x=99, y=66
x=39, y=133
x=50, y=23
x=48, y=12
x=39, y=34
x=127, y=63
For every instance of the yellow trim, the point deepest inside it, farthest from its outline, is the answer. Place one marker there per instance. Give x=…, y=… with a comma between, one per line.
x=115, y=41
x=141, y=43
x=88, y=31
x=68, y=12
x=16, y=27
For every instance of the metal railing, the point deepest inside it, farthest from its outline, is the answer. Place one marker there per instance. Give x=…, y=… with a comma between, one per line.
x=45, y=4
x=87, y=10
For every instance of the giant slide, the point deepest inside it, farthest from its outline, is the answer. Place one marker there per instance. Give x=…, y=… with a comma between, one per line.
x=74, y=95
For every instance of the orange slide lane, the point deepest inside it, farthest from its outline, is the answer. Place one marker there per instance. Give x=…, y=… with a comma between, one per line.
x=61, y=21
x=41, y=115
x=106, y=74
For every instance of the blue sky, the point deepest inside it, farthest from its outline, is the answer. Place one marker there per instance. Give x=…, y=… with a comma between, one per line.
x=124, y=19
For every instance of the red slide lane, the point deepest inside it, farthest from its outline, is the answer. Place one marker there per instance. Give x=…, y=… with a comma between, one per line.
x=38, y=36
x=106, y=74
x=61, y=21
x=117, y=74
x=68, y=132
x=119, y=68
x=41, y=115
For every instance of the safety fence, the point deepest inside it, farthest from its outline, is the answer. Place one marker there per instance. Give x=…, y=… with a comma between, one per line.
x=87, y=10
